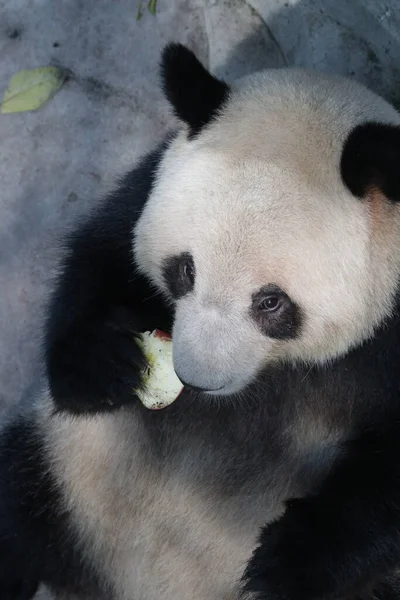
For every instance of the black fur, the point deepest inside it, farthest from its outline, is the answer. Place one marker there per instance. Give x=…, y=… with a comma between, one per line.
x=282, y=324
x=21, y=542
x=371, y=159
x=179, y=274
x=93, y=362
x=193, y=92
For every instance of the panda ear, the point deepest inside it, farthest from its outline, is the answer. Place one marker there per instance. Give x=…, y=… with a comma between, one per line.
x=193, y=92
x=371, y=160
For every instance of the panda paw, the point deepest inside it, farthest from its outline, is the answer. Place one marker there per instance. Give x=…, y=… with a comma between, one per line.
x=290, y=563
x=97, y=367
x=19, y=561
x=14, y=588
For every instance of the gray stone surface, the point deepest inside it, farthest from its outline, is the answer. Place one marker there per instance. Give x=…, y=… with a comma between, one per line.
x=356, y=38
x=55, y=163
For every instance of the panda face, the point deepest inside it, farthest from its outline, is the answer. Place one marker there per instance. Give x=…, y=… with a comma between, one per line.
x=254, y=236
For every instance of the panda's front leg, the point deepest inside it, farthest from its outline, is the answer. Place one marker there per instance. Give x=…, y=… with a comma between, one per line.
x=337, y=543
x=101, y=303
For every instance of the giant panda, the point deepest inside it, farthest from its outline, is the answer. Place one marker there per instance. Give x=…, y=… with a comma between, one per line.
x=264, y=234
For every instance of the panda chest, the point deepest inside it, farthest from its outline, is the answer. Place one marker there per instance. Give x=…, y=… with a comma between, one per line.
x=173, y=512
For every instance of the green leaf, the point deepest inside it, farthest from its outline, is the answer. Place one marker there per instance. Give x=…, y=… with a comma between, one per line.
x=152, y=6
x=31, y=88
x=139, y=13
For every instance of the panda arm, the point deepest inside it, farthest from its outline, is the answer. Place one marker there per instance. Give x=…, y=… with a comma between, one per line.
x=342, y=539
x=100, y=302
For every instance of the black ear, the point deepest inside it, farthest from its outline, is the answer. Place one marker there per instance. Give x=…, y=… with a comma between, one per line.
x=193, y=92
x=371, y=159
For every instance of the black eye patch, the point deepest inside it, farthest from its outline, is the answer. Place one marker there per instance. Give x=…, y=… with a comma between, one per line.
x=275, y=313
x=179, y=274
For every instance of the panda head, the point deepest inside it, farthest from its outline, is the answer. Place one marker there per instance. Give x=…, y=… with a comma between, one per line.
x=274, y=221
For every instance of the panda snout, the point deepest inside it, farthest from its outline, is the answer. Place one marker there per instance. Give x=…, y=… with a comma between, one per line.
x=197, y=376
x=206, y=358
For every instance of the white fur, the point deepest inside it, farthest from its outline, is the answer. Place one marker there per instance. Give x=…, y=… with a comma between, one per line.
x=257, y=198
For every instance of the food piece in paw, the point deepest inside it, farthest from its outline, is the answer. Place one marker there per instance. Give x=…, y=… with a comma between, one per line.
x=161, y=385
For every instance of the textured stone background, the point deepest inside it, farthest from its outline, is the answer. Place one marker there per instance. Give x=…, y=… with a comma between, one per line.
x=56, y=163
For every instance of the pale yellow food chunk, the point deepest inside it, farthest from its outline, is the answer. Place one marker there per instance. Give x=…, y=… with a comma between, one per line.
x=161, y=384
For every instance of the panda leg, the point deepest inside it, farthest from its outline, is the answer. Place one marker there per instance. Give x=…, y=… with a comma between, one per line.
x=22, y=521
x=386, y=589
x=345, y=537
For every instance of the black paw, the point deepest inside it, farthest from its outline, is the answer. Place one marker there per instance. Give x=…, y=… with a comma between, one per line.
x=97, y=366
x=290, y=562
x=19, y=561
x=15, y=588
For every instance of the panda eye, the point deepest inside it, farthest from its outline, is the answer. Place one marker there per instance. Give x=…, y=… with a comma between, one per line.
x=270, y=303
x=187, y=270
x=179, y=274
x=276, y=315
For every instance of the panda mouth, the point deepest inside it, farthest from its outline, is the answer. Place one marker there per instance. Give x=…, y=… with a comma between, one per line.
x=226, y=390
x=199, y=390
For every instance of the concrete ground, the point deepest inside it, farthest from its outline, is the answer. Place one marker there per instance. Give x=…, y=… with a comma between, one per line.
x=55, y=163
